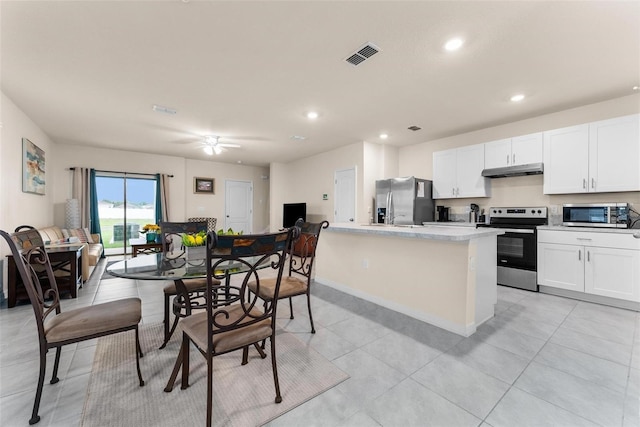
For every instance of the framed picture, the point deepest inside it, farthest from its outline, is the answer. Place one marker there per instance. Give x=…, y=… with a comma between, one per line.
x=203, y=185
x=32, y=168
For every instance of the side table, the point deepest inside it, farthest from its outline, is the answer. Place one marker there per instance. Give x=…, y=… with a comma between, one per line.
x=145, y=248
x=67, y=267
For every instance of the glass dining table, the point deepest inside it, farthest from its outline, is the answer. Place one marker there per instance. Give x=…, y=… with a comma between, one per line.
x=162, y=268
x=159, y=267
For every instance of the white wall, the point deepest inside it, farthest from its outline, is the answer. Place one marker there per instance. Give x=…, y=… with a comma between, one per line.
x=212, y=205
x=16, y=207
x=184, y=203
x=306, y=180
x=526, y=190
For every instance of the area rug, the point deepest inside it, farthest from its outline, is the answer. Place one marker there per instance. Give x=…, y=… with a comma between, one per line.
x=243, y=395
x=105, y=274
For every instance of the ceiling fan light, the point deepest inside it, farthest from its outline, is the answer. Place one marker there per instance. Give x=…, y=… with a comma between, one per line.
x=217, y=149
x=208, y=149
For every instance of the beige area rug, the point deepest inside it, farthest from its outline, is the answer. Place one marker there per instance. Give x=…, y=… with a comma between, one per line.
x=243, y=395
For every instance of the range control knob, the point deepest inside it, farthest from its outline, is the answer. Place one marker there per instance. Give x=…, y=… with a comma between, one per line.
x=539, y=212
x=533, y=211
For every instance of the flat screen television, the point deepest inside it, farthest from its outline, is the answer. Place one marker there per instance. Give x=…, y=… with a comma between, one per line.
x=291, y=212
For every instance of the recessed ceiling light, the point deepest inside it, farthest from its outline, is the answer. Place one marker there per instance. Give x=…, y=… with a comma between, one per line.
x=453, y=44
x=517, y=98
x=312, y=115
x=636, y=88
x=384, y=136
x=298, y=137
x=163, y=109
x=239, y=161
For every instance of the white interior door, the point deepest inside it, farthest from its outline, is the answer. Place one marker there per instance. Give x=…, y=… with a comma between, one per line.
x=238, y=206
x=345, y=191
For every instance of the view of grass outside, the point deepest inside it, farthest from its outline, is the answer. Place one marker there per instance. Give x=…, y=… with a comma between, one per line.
x=140, y=210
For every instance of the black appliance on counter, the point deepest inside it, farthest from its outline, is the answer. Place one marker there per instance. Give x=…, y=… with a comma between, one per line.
x=442, y=214
x=517, y=247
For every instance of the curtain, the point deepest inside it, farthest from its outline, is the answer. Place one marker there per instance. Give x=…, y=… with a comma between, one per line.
x=162, y=198
x=80, y=190
x=93, y=209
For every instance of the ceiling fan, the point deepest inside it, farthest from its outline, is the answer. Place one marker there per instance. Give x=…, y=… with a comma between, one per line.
x=213, y=145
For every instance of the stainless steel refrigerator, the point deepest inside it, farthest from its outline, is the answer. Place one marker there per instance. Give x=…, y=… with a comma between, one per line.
x=404, y=201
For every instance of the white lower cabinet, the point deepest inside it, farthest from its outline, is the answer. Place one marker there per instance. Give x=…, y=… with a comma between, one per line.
x=561, y=266
x=594, y=263
x=612, y=273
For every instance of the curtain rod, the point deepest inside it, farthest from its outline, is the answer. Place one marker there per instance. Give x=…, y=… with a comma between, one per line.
x=131, y=173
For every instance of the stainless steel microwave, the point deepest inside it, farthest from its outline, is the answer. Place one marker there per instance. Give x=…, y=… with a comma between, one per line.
x=611, y=215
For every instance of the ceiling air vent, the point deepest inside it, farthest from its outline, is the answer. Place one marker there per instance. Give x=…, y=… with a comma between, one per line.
x=362, y=54
x=414, y=128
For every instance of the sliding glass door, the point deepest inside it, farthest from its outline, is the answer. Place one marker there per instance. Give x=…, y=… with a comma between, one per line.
x=126, y=202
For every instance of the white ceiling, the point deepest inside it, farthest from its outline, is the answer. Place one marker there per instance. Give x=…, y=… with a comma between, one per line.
x=89, y=72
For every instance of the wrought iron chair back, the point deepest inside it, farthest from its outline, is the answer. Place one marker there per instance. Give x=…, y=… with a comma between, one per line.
x=233, y=323
x=32, y=261
x=303, y=250
x=172, y=232
x=211, y=222
x=55, y=328
x=250, y=253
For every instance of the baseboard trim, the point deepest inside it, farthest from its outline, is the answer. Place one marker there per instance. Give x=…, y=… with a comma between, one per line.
x=464, y=331
x=598, y=299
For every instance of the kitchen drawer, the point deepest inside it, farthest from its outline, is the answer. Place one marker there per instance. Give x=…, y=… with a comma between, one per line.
x=585, y=238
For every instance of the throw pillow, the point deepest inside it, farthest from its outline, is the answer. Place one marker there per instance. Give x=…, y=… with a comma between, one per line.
x=82, y=234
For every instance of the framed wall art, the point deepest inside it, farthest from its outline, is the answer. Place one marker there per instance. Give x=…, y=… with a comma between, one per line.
x=203, y=185
x=33, y=180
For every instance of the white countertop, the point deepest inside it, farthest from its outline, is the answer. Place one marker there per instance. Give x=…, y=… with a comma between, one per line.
x=590, y=229
x=451, y=224
x=434, y=232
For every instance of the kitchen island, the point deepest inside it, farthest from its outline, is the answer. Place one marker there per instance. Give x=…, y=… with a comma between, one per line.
x=443, y=275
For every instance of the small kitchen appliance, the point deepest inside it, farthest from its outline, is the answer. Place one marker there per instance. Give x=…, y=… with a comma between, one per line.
x=608, y=215
x=443, y=214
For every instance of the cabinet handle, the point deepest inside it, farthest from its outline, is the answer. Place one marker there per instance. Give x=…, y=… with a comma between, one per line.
x=593, y=183
x=514, y=159
x=583, y=239
x=457, y=191
x=584, y=184
x=453, y=191
x=588, y=256
x=579, y=255
x=507, y=159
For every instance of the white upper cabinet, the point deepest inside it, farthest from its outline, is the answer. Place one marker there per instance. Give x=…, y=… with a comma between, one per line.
x=596, y=157
x=521, y=150
x=458, y=173
x=566, y=160
x=614, y=154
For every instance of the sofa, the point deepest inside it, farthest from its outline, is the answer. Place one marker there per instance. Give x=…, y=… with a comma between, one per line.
x=91, y=253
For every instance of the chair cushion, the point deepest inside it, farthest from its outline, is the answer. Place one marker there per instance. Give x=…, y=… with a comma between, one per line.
x=95, y=320
x=289, y=286
x=190, y=284
x=196, y=327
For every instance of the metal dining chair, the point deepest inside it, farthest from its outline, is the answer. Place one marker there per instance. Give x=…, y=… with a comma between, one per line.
x=188, y=293
x=301, y=256
x=55, y=327
x=230, y=322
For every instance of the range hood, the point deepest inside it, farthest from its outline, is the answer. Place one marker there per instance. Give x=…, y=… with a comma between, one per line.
x=528, y=169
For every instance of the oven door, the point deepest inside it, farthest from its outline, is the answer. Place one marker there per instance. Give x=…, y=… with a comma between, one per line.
x=517, y=248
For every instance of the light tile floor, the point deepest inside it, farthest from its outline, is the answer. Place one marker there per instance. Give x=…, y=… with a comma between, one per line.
x=542, y=360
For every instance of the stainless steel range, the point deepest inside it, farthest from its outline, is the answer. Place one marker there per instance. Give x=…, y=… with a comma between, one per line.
x=517, y=247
